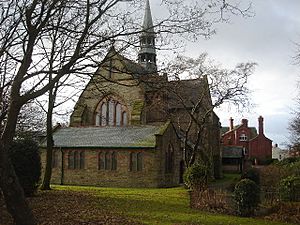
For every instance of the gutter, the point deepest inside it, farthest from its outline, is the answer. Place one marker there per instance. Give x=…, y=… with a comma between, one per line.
x=102, y=147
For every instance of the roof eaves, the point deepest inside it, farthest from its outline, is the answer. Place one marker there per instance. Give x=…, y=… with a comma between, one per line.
x=106, y=147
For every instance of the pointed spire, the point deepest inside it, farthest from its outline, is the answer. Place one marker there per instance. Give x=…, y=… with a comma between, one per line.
x=147, y=54
x=148, y=24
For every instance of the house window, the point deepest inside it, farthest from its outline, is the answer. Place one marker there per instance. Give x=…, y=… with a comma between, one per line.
x=243, y=137
x=169, y=157
x=55, y=159
x=76, y=160
x=107, y=161
x=136, y=161
x=111, y=113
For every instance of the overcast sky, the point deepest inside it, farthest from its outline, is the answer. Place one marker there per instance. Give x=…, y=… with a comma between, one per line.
x=267, y=38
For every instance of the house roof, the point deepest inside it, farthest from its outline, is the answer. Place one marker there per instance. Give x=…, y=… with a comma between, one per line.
x=232, y=152
x=253, y=131
x=107, y=137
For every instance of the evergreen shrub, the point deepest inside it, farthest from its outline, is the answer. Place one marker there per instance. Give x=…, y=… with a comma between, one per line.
x=247, y=197
x=289, y=188
x=25, y=157
x=196, y=175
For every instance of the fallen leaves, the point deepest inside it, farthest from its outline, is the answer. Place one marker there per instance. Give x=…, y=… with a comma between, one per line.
x=66, y=208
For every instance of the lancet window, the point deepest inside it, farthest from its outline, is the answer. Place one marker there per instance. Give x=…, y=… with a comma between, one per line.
x=111, y=112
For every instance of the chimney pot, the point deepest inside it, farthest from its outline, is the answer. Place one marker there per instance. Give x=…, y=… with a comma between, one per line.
x=260, y=125
x=230, y=123
x=245, y=122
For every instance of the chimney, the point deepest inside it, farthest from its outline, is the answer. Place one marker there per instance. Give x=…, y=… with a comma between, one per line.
x=230, y=123
x=245, y=122
x=260, y=125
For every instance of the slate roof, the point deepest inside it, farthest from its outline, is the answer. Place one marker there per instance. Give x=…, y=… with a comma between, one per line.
x=253, y=131
x=232, y=152
x=189, y=90
x=101, y=137
x=130, y=66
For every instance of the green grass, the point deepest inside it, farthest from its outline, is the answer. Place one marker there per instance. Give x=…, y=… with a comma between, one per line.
x=164, y=206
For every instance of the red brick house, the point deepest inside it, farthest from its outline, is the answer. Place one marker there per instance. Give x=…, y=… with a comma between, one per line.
x=257, y=146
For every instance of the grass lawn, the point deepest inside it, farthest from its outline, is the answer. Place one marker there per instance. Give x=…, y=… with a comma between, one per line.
x=168, y=206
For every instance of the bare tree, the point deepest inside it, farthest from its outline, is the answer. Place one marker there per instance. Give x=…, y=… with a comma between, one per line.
x=210, y=87
x=85, y=28
x=294, y=124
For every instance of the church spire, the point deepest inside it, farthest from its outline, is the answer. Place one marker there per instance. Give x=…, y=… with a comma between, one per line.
x=147, y=54
x=147, y=23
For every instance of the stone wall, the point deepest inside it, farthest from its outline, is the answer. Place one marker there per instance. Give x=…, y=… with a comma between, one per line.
x=163, y=142
x=109, y=82
x=153, y=173
x=121, y=177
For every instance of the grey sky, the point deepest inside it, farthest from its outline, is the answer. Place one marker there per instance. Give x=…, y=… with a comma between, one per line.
x=268, y=40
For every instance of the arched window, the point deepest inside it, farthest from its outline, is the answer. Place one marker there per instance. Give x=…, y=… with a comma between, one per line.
x=124, y=119
x=136, y=161
x=81, y=160
x=76, y=160
x=107, y=161
x=71, y=160
x=139, y=159
x=119, y=114
x=169, y=158
x=103, y=114
x=101, y=161
x=114, y=161
x=132, y=161
x=110, y=112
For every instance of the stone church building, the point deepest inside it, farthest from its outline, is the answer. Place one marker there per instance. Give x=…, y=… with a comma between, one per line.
x=123, y=131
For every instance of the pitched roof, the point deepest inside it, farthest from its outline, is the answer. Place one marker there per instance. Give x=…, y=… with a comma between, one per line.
x=232, y=152
x=190, y=91
x=253, y=131
x=129, y=65
x=113, y=137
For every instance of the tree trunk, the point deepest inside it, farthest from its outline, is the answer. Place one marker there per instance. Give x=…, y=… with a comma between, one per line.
x=13, y=193
x=50, y=143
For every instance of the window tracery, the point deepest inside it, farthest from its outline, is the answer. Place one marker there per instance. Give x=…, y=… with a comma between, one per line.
x=111, y=112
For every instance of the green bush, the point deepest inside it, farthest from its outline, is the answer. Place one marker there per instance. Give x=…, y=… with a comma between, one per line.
x=247, y=197
x=252, y=174
x=289, y=188
x=196, y=175
x=288, y=161
x=25, y=157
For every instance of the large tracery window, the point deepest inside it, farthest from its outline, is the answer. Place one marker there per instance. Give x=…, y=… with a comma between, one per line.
x=111, y=112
